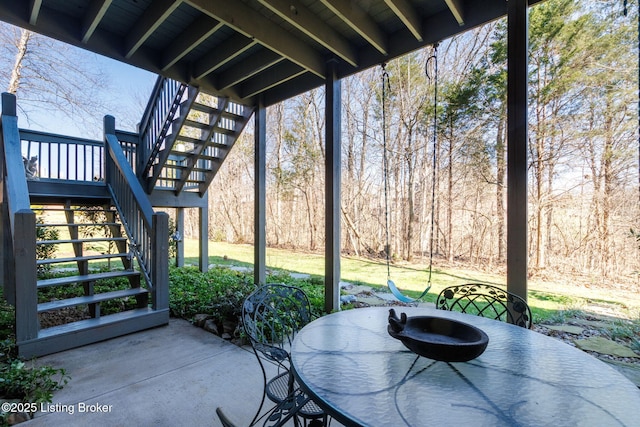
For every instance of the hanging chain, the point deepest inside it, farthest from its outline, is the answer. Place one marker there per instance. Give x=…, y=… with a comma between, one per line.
x=385, y=165
x=432, y=62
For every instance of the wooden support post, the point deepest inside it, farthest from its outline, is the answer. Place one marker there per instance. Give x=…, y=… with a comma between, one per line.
x=160, y=266
x=5, y=247
x=203, y=257
x=333, y=93
x=517, y=136
x=109, y=124
x=24, y=232
x=260, y=198
x=180, y=241
x=8, y=103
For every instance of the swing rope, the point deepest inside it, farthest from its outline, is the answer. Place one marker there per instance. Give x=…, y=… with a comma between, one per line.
x=434, y=60
x=385, y=85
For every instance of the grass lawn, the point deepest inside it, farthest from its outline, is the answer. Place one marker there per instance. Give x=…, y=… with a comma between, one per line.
x=547, y=299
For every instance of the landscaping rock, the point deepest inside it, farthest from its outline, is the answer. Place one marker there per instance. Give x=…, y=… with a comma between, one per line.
x=371, y=300
x=605, y=346
x=597, y=324
x=200, y=319
x=570, y=329
x=229, y=327
x=386, y=296
x=357, y=289
x=347, y=299
x=17, y=418
x=211, y=326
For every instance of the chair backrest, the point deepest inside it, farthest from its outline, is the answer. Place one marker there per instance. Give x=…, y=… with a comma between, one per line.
x=271, y=317
x=486, y=301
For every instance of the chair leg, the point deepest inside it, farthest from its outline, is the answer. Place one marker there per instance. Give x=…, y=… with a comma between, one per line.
x=226, y=422
x=264, y=388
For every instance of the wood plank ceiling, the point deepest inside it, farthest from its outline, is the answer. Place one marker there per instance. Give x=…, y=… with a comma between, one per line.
x=250, y=48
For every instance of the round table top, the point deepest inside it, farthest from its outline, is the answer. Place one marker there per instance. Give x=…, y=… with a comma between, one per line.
x=352, y=367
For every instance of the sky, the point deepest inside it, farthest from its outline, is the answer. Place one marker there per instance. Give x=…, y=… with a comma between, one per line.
x=132, y=89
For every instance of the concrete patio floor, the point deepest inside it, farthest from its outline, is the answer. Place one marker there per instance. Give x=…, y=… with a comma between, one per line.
x=172, y=375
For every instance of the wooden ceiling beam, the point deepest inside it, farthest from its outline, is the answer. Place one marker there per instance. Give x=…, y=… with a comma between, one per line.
x=407, y=14
x=95, y=12
x=201, y=29
x=297, y=14
x=229, y=49
x=360, y=22
x=247, y=69
x=456, y=8
x=254, y=25
x=151, y=19
x=270, y=78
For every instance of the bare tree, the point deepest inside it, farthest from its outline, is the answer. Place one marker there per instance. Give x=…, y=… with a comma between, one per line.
x=46, y=74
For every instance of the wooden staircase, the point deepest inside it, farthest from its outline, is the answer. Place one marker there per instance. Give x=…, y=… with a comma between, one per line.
x=75, y=309
x=92, y=244
x=187, y=142
x=184, y=138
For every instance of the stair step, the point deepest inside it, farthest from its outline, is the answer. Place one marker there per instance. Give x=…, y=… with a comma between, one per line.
x=91, y=240
x=75, y=334
x=203, y=108
x=173, y=166
x=80, y=258
x=189, y=140
x=196, y=124
x=224, y=131
x=90, y=299
x=59, y=281
x=212, y=158
x=211, y=110
x=54, y=209
x=187, y=154
x=77, y=224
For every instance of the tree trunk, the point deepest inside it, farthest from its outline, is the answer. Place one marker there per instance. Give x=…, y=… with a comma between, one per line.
x=16, y=72
x=500, y=187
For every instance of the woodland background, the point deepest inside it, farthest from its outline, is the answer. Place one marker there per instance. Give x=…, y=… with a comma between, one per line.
x=445, y=154
x=584, y=187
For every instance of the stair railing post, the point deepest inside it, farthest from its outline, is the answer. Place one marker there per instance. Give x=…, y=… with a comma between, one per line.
x=109, y=129
x=160, y=263
x=19, y=231
x=26, y=290
x=4, y=211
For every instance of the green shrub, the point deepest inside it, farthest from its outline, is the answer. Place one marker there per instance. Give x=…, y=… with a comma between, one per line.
x=29, y=384
x=220, y=292
x=45, y=251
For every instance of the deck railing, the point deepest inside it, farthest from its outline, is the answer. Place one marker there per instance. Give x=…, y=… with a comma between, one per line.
x=148, y=231
x=18, y=227
x=63, y=157
x=69, y=158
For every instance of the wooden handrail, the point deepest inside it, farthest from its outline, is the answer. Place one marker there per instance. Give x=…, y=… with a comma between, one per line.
x=151, y=106
x=161, y=110
x=148, y=231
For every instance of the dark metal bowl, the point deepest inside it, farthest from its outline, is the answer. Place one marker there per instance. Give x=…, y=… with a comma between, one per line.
x=438, y=338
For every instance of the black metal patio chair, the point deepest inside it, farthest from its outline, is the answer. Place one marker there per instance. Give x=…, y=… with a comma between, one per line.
x=271, y=317
x=486, y=301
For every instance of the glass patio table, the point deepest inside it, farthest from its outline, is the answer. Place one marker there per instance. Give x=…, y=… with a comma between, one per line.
x=362, y=376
